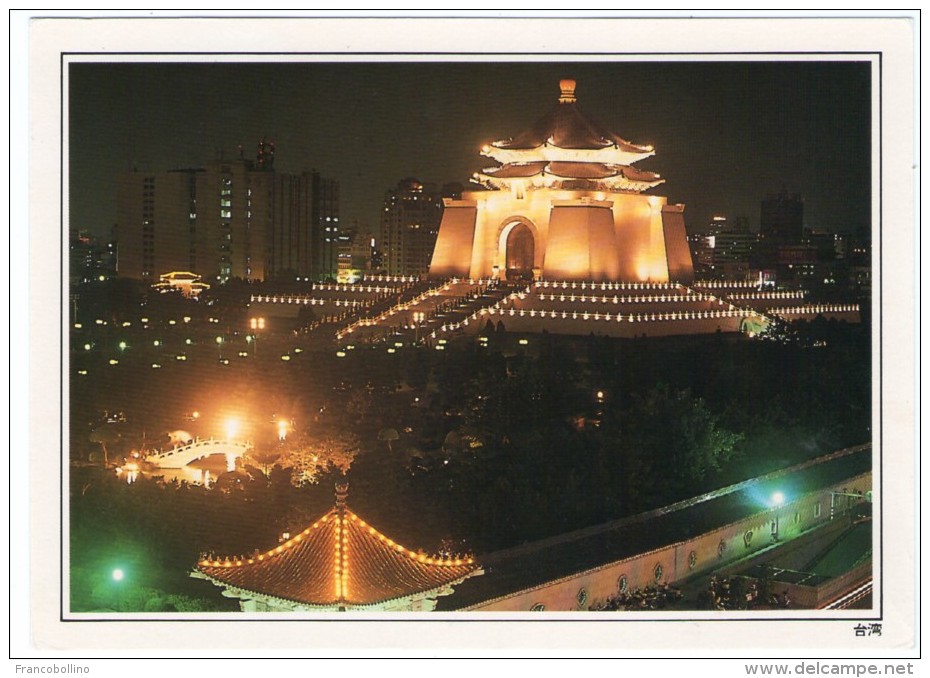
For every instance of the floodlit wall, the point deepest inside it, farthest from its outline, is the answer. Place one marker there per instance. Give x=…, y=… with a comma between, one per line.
x=454, y=244
x=577, y=235
x=582, y=245
x=678, y=254
x=711, y=550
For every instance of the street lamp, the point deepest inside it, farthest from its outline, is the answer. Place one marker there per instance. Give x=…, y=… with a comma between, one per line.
x=255, y=324
x=778, y=500
x=118, y=575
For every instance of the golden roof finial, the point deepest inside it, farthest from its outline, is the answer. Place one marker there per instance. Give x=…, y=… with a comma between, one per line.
x=342, y=491
x=567, y=88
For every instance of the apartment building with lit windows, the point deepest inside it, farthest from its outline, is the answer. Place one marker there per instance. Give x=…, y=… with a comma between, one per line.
x=229, y=219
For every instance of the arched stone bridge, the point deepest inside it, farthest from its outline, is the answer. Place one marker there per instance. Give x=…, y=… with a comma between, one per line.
x=179, y=457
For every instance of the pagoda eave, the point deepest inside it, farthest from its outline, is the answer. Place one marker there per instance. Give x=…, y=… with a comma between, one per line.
x=618, y=182
x=610, y=154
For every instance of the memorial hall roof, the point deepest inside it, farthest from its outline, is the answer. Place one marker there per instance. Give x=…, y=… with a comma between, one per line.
x=569, y=170
x=567, y=127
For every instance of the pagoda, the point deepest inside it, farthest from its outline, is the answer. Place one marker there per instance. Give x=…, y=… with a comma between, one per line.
x=338, y=563
x=564, y=203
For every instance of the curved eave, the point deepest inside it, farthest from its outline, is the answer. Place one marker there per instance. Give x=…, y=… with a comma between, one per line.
x=617, y=181
x=242, y=593
x=435, y=592
x=612, y=154
x=234, y=591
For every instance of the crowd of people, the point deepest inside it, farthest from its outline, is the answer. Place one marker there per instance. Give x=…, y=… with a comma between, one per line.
x=739, y=593
x=652, y=597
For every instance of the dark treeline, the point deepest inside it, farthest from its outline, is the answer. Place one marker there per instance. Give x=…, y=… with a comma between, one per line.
x=486, y=444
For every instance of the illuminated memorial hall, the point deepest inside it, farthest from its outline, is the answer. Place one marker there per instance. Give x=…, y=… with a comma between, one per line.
x=565, y=203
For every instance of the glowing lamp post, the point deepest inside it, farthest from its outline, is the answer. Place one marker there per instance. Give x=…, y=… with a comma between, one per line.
x=232, y=428
x=256, y=325
x=117, y=575
x=778, y=500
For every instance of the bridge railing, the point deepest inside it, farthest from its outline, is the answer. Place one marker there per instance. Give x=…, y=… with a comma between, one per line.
x=198, y=445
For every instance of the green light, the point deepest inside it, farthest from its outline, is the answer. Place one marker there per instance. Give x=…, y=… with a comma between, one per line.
x=778, y=499
x=122, y=346
x=118, y=574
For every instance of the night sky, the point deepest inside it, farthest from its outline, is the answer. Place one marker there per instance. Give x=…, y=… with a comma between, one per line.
x=726, y=133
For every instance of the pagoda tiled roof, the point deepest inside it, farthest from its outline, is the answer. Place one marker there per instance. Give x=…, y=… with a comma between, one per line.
x=566, y=126
x=338, y=561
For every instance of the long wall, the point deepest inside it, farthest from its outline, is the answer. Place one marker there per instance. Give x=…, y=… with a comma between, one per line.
x=701, y=554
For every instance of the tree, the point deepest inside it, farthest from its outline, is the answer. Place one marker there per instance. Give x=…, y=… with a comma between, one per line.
x=307, y=455
x=388, y=435
x=104, y=436
x=265, y=458
x=676, y=432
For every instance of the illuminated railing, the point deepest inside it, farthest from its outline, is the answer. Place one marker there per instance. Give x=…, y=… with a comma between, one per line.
x=623, y=299
x=606, y=286
x=201, y=448
x=815, y=309
x=312, y=301
x=731, y=312
x=358, y=288
x=408, y=279
x=405, y=306
x=725, y=284
x=765, y=296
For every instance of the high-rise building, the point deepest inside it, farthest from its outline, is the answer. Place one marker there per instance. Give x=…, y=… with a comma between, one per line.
x=725, y=249
x=409, y=225
x=357, y=253
x=230, y=219
x=782, y=218
x=325, y=228
x=90, y=258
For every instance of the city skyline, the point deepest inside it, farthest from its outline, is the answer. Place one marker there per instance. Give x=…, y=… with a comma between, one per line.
x=727, y=134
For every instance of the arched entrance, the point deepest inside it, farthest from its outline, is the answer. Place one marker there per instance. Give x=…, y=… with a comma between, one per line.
x=520, y=253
